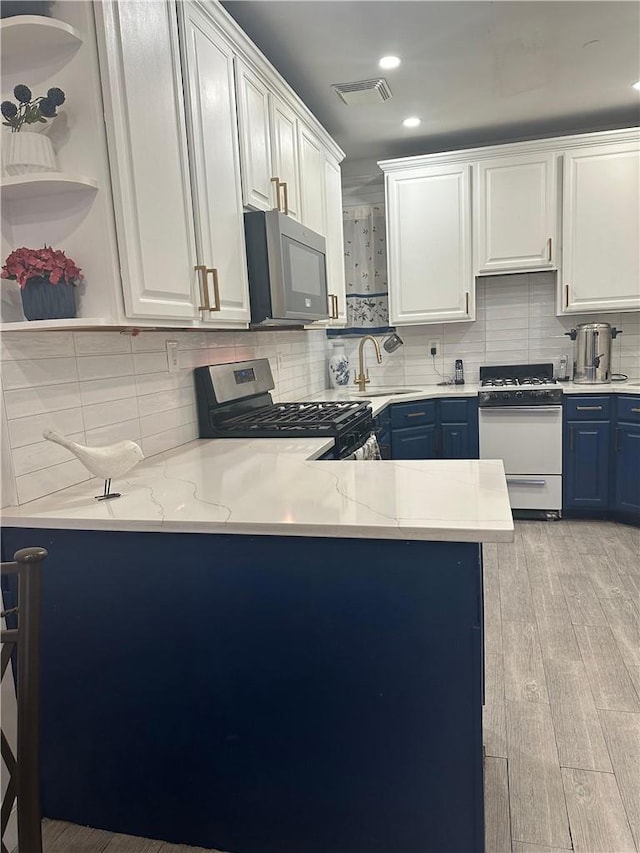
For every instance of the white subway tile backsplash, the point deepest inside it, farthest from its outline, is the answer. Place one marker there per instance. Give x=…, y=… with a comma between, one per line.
x=43, y=454
x=15, y=346
x=103, y=390
x=49, y=480
x=106, y=343
x=129, y=429
x=105, y=366
x=150, y=362
x=29, y=430
x=113, y=412
x=47, y=398
x=38, y=372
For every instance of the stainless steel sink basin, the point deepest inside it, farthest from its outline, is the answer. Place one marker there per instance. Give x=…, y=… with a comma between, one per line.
x=386, y=391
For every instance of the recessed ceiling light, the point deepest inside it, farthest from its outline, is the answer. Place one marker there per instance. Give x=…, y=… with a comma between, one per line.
x=413, y=121
x=389, y=62
x=636, y=85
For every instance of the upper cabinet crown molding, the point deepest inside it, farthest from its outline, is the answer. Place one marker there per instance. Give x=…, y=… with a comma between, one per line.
x=247, y=51
x=552, y=144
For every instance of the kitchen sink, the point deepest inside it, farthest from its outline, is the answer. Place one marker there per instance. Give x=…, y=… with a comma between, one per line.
x=386, y=391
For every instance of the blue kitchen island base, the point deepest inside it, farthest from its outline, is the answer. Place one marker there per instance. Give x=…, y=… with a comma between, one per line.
x=263, y=694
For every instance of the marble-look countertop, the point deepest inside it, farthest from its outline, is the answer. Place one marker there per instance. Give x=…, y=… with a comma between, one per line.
x=276, y=487
x=436, y=392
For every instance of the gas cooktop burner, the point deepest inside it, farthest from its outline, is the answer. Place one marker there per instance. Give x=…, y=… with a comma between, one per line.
x=513, y=381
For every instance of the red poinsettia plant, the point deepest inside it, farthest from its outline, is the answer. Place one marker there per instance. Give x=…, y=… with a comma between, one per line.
x=46, y=263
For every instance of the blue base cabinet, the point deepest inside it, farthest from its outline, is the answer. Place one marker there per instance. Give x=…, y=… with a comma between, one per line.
x=627, y=456
x=263, y=694
x=601, y=456
x=435, y=429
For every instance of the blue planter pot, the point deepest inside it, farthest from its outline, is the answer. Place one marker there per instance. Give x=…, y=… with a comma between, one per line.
x=42, y=300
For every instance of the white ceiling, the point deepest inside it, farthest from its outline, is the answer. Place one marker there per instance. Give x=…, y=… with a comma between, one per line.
x=475, y=72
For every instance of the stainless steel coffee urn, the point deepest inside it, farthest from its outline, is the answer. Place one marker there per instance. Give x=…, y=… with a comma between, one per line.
x=593, y=352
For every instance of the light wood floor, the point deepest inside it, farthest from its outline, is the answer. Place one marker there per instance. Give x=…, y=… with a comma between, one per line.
x=562, y=713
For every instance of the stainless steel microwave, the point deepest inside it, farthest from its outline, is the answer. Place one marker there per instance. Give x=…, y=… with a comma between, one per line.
x=287, y=268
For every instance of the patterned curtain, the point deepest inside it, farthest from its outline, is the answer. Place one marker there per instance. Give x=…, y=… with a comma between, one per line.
x=365, y=258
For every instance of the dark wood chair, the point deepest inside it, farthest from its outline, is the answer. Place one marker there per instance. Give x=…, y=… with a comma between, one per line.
x=21, y=641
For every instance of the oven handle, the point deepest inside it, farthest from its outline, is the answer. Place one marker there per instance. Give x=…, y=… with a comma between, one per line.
x=532, y=409
x=521, y=481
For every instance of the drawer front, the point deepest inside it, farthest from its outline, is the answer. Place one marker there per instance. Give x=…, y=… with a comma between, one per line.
x=535, y=492
x=454, y=411
x=413, y=414
x=592, y=408
x=629, y=409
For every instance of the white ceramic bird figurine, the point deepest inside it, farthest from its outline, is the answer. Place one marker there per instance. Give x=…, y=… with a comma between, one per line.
x=112, y=460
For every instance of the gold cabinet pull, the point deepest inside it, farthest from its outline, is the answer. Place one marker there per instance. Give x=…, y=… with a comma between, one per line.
x=204, y=288
x=333, y=312
x=276, y=181
x=549, y=244
x=589, y=408
x=635, y=409
x=283, y=184
x=416, y=415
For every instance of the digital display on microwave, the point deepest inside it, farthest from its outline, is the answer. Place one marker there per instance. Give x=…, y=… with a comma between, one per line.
x=247, y=374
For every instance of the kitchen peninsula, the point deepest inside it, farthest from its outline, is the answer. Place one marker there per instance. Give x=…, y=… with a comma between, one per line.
x=265, y=653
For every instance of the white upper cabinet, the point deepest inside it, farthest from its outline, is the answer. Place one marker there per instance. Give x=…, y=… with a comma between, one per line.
x=139, y=57
x=284, y=141
x=215, y=168
x=259, y=188
x=334, y=234
x=429, y=244
x=312, y=180
x=514, y=213
x=601, y=228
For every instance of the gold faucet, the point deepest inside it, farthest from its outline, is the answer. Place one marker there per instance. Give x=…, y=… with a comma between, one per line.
x=363, y=377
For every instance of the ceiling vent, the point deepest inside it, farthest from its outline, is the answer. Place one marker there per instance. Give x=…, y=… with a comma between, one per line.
x=363, y=92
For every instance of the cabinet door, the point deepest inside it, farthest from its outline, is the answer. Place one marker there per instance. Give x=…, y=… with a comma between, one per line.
x=258, y=190
x=140, y=66
x=515, y=213
x=215, y=160
x=601, y=229
x=312, y=178
x=586, y=465
x=627, y=465
x=284, y=147
x=335, y=243
x=418, y=443
x=455, y=442
x=429, y=233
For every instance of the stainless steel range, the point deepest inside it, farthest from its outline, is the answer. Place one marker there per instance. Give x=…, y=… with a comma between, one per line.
x=520, y=422
x=234, y=402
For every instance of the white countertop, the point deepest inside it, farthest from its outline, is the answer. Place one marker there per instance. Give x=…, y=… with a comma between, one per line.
x=273, y=487
x=435, y=392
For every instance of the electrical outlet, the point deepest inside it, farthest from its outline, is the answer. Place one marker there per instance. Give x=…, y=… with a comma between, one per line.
x=434, y=344
x=172, y=356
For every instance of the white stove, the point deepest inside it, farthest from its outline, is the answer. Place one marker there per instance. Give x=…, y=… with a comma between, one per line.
x=520, y=422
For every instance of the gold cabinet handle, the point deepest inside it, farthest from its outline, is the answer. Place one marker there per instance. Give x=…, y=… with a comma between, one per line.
x=549, y=245
x=635, y=409
x=204, y=288
x=589, y=408
x=283, y=184
x=333, y=312
x=416, y=415
x=276, y=181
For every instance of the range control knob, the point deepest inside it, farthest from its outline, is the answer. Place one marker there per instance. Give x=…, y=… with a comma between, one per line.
x=519, y=395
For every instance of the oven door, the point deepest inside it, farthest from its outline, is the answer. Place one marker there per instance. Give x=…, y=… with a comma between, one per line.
x=528, y=439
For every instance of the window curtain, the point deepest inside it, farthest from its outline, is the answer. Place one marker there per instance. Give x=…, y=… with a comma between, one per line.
x=365, y=258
